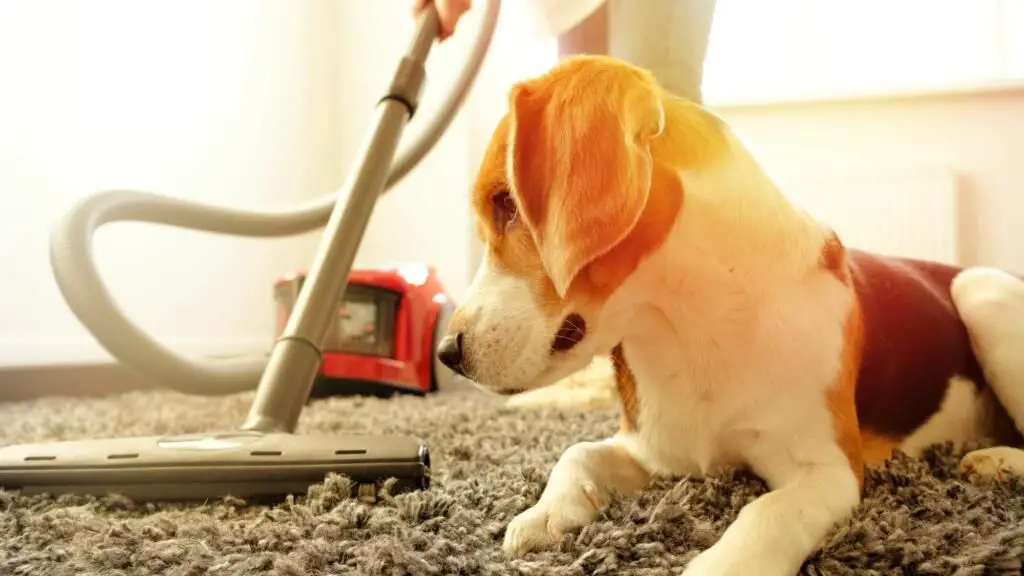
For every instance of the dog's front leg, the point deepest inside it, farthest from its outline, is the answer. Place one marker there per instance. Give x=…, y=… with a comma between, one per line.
x=813, y=488
x=578, y=487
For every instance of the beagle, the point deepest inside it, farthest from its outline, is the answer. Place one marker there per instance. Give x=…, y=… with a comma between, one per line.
x=619, y=218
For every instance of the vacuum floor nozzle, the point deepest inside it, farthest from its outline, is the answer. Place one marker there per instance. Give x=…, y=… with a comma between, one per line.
x=244, y=464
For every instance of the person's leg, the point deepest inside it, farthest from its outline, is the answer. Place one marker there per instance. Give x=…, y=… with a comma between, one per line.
x=667, y=37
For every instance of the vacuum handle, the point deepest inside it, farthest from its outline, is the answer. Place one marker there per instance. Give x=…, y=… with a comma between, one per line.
x=407, y=83
x=427, y=30
x=295, y=359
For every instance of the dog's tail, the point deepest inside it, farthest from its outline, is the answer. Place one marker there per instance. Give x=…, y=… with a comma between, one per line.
x=592, y=388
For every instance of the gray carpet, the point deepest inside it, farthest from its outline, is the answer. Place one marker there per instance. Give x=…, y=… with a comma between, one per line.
x=490, y=463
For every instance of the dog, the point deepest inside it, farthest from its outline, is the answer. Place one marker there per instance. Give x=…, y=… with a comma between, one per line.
x=620, y=219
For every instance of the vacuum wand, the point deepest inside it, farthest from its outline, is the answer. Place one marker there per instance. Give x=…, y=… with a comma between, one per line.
x=295, y=358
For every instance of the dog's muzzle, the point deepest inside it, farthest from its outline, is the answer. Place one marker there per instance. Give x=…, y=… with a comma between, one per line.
x=449, y=352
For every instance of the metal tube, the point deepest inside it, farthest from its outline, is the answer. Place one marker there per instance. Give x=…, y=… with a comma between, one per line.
x=295, y=359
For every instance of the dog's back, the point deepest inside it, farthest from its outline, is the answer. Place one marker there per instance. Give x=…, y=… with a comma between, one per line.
x=916, y=349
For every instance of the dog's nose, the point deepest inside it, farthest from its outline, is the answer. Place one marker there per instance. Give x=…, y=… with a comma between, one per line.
x=450, y=352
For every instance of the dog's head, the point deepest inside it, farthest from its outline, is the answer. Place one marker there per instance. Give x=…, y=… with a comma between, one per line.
x=569, y=199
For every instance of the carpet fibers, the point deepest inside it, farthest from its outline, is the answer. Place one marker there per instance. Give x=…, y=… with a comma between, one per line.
x=490, y=462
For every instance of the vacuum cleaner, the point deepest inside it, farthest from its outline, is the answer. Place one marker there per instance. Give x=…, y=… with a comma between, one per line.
x=263, y=458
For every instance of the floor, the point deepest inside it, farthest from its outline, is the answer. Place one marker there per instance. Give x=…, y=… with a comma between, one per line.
x=490, y=462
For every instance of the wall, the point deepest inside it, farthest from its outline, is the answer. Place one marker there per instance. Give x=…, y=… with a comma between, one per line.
x=229, y=102
x=976, y=134
x=424, y=217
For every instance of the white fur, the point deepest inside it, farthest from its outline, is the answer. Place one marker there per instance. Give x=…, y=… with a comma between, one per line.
x=996, y=462
x=505, y=337
x=991, y=303
x=962, y=417
x=729, y=338
x=733, y=356
x=734, y=334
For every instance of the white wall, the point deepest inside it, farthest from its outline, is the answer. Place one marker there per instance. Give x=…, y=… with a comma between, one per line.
x=229, y=102
x=977, y=136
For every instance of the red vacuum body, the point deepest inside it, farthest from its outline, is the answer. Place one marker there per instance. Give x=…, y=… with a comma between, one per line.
x=385, y=332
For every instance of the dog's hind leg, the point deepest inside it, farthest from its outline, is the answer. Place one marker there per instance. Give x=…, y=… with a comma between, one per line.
x=991, y=304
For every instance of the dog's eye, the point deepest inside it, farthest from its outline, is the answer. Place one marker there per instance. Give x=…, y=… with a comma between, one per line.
x=506, y=213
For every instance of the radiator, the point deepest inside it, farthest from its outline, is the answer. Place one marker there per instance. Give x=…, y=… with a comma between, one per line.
x=911, y=213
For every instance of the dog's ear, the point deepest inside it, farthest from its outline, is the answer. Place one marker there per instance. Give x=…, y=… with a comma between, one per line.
x=579, y=161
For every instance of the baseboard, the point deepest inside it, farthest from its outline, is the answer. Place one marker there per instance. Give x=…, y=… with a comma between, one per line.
x=73, y=352
x=19, y=383
x=30, y=370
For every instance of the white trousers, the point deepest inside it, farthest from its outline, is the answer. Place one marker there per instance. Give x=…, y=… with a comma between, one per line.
x=667, y=37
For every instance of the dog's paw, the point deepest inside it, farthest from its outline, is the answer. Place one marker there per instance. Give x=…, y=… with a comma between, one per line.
x=544, y=525
x=994, y=463
x=531, y=530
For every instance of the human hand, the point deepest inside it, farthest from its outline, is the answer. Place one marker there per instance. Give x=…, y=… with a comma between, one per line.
x=448, y=14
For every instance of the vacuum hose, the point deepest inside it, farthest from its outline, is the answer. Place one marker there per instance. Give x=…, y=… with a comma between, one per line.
x=79, y=281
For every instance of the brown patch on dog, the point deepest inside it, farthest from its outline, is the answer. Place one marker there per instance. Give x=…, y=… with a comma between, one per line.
x=626, y=384
x=602, y=276
x=878, y=448
x=841, y=397
x=513, y=251
x=694, y=138
x=833, y=258
x=579, y=159
x=909, y=342
x=914, y=343
x=861, y=445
